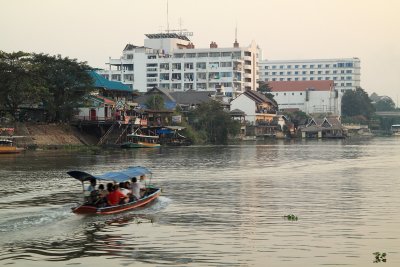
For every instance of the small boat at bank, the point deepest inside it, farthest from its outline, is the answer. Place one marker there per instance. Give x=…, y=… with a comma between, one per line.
x=151, y=192
x=140, y=140
x=7, y=146
x=395, y=129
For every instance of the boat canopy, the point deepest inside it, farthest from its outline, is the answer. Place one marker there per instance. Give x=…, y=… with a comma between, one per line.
x=142, y=136
x=117, y=176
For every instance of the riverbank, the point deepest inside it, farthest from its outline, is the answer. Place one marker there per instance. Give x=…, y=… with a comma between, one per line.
x=51, y=136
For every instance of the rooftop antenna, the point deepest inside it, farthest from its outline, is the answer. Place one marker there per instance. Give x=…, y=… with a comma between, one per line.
x=167, y=19
x=236, y=32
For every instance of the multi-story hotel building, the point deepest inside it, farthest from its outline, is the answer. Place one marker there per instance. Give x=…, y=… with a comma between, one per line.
x=344, y=72
x=171, y=61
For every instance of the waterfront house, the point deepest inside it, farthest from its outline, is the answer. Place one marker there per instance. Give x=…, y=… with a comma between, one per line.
x=257, y=107
x=327, y=127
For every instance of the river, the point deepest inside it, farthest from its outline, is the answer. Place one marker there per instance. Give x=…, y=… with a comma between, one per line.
x=220, y=206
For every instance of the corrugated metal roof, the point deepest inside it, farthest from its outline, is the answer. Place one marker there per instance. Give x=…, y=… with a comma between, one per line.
x=101, y=82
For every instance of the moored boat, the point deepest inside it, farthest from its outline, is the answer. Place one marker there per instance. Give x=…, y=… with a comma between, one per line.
x=140, y=140
x=7, y=146
x=151, y=193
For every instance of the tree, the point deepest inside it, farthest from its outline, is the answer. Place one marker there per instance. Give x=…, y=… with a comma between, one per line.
x=357, y=103
x=213, y=122
x=19, y=82
x=155, y=102
x=263, y=87
x=66, y=82
x=385, y=104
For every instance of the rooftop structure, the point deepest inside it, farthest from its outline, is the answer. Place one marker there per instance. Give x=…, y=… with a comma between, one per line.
x=171, y=61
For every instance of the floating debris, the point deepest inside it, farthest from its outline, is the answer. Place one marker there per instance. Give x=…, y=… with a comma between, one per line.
x=291, y=217
x=379, y=257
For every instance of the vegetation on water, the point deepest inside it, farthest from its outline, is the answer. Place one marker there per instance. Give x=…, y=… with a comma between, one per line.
x=291, y=217
x=379, y=257
x=53, y=83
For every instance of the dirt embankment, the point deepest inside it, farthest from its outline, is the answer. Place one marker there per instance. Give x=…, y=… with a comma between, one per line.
x=48, y=135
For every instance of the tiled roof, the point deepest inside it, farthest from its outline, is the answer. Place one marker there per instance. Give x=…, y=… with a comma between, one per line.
x=295, y=86
x=258, y=97
x=192, y=97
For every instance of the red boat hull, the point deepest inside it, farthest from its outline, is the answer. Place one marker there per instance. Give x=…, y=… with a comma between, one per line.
x=88, y=209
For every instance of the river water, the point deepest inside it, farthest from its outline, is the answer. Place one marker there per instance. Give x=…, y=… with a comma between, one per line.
x=220, y=206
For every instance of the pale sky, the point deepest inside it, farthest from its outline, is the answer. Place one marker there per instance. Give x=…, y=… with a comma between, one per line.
x=94, y=30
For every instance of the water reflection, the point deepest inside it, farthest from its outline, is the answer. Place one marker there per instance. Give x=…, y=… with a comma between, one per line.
x=220, y=206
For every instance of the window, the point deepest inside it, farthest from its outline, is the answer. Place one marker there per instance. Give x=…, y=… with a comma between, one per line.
x=266, y=73
x=266, y=67
x=327, y=66
x=289, y=73
x=311, y=66
x=311, y=72
x=342, y=71
x=319, y=72
x=335, y=71
x=281, y=73
x=296, y=66
x=304, y=66
x=281, y=79
x=304, y=78
x=304, y=72
x=289, y=79
x=266, y=79
x=311, y=78
x=348, y=71
x=301, y=93
x=284, y=93
x=292, y=93
x=276, y=94
x=327, y=72
x=335, y=78
x=281, y=66
x=274, y=67
x=349, y=65
x=326, y=78
x=342, y=84
x=296, y=79
x=334, y=65
x=319, y=66
x=348, y=84
x=289, y=66
x=319, y=78
x=296, y=72
x=340, y=65
x=274, y=73
x=348, y=78
x=342, y=78
x=274, y=79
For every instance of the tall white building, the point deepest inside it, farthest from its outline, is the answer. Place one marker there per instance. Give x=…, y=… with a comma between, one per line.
x=344, y=72
x=171, y=61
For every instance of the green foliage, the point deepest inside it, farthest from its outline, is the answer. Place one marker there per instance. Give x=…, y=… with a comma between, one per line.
x=264, y=88
x=19, y=81
x=28, y=79
x=291, y=217
x=213, y=123
x=355, y=103
x=379, y=257
x=66, y=81
x=297, y=117
x=155, y=102
x=385, y=104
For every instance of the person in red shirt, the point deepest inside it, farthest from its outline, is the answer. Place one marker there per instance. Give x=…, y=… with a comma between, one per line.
x=116, y=197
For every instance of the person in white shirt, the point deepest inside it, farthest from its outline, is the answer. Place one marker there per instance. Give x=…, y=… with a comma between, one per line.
x=136, y=188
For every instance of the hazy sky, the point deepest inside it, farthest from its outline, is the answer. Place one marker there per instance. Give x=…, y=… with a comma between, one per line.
x=94, y=30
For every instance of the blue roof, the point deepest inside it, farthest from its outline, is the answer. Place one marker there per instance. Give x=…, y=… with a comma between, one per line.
x=117, y=176
x=100, y=81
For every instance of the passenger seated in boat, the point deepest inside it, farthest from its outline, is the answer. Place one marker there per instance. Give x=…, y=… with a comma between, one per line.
x=136, y=187
x=123, y=189
x=116, y=197
x=92, y=185
x=101, y=200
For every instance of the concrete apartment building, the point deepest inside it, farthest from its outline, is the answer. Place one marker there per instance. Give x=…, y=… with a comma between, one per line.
x=344, y=72
x=171, y=61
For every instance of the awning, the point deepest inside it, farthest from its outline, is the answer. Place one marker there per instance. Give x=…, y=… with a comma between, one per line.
x=118, y=176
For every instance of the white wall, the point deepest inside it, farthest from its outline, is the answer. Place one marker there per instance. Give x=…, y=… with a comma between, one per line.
x=246, y=105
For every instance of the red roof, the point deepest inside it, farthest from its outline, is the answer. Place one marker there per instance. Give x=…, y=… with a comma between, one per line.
x=294, y=86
